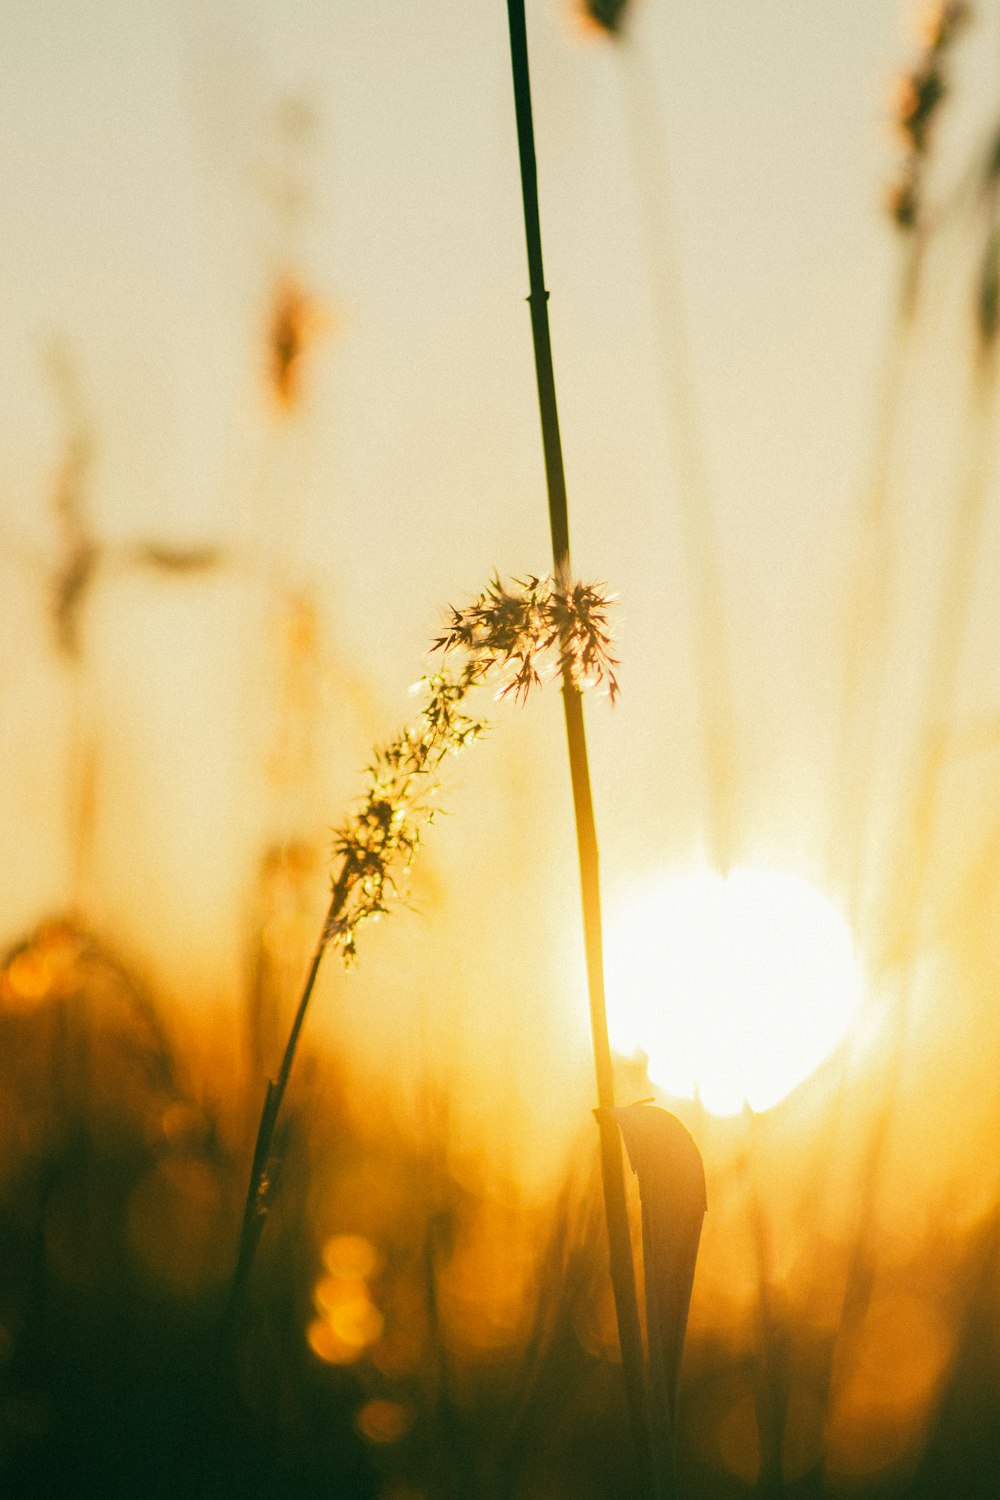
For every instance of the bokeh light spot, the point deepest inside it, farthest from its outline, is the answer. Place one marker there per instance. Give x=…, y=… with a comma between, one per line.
x=328, y=1346
x=351, y=1255
x=881, y=1412
x=383, y=1421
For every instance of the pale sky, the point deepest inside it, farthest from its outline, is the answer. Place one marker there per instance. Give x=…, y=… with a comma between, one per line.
x=138, y=147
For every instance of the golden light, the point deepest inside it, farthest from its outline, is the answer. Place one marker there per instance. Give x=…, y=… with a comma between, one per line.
x=349, y=1322
x=352, y=1257
x=383, y=1422
x=736, y=989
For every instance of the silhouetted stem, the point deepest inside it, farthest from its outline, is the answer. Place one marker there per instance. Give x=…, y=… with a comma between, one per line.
x=256, y=1207
x=612, y=1172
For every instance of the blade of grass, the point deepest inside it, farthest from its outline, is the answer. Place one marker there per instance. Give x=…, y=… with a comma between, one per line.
x=671, y=1174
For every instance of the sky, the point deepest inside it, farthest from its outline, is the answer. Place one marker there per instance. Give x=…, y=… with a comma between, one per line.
x=148, y=153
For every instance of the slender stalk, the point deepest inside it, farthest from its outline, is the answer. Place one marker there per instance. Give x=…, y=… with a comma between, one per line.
x=699, y=530
x=871, y=589
x=612, y=1172
x=500, y=631
x=924, y=86
x=255, y=1208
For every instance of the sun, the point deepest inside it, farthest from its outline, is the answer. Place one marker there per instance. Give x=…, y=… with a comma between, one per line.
x=735, y=988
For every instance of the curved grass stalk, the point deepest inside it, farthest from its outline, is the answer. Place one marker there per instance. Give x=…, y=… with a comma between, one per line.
x=516, y=634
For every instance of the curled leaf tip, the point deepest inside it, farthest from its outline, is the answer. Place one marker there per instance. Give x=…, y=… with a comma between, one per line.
x=662, y=1152
x=671, y=1174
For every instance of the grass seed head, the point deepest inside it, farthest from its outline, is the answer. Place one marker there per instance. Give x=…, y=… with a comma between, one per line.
x=519, y=632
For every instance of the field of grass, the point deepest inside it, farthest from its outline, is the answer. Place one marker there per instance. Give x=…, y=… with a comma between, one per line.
x=319, y=1172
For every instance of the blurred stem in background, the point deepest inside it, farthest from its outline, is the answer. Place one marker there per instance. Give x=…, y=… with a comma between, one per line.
x=904, y=920
x=911, y=871
x=872, y=584
x=699, y=532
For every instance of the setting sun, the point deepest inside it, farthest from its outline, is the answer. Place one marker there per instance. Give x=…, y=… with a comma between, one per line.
x=576, y=1076
x=736, y=989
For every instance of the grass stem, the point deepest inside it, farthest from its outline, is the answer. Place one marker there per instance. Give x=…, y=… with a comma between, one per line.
x=255, y=1207
x=612, y=1171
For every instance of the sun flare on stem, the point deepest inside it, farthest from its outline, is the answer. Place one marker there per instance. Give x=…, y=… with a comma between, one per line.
x=736, y=989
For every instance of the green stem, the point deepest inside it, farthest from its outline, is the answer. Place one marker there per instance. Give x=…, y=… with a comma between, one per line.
x=256, y=1207
x=612, y=1172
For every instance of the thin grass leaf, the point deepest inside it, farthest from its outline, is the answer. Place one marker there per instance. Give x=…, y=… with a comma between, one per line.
x=672, y=1193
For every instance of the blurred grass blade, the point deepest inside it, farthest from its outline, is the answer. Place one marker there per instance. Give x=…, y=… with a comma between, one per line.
x=672, y=1193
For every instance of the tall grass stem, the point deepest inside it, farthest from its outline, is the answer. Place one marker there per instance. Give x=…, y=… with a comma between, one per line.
x=612, y=1171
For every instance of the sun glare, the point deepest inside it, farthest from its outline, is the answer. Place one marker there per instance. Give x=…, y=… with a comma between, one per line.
x=735, y=988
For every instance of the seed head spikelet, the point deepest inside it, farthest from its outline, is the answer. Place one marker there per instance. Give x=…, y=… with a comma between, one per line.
x=519, y=632
x=542, y=625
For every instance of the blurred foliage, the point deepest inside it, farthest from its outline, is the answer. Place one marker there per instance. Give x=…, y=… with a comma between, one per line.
x=415, y=1327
